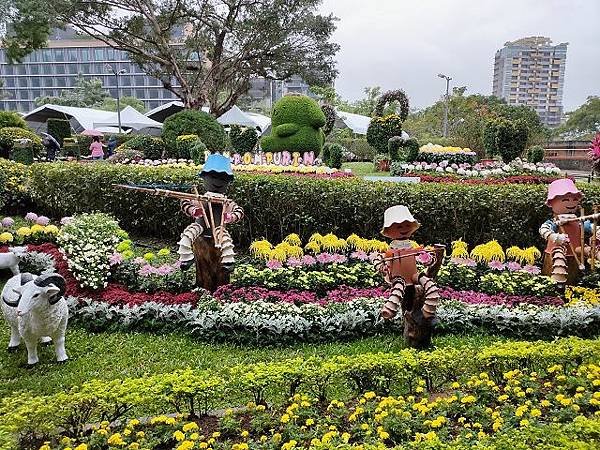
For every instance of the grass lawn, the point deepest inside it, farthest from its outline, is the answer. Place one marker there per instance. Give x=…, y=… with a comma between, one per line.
x=119, y=355
x=360, y=169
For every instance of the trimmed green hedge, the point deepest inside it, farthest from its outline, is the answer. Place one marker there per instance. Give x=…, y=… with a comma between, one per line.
x=188, y=121
x=59, y=129
x=278, y=205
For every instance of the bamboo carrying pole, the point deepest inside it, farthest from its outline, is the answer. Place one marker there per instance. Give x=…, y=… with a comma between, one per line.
x=593, y=241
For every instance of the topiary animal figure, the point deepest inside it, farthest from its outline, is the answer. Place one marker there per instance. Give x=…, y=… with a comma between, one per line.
x=297, y=121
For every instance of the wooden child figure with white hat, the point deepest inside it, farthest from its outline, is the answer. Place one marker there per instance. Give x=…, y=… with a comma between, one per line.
x=415, y=293
x=566, y=249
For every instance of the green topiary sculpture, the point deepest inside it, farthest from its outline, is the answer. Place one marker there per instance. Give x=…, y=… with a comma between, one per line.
x=297, y=121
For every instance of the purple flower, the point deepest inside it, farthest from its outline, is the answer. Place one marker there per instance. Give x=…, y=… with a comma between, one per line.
x=146, y=270
x=424, y=258
x=464, y=262
x=139, y=261
x=338, y=258
x=513, y=266
x=294, y=262
x=165, y=269
x=360, y=255
x=496, y=265
x=479, y=298
x=32, y=217
x=115, y=258
x=324, y=258
x=8, y=222
x=66, y=220
x=373, y=256
x=308, y=260
x=274, y=264
x=42, y=220
x=534, y=270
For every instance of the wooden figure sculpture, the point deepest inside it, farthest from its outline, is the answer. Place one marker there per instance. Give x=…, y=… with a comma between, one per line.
x=206, y=241
x=415, y=293
x=566, y=251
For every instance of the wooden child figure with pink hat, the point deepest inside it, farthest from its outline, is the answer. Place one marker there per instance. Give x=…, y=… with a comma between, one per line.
x=415, y=293
x=566, y=250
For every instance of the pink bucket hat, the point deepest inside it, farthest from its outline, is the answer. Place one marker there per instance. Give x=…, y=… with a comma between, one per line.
x=560, y=187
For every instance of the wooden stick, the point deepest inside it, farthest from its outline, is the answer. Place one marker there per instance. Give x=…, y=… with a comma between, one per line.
x=582, y=230
x=593, y=255
x=582, y=218
x=581, y=267
x=222, y=229
x=212, y=224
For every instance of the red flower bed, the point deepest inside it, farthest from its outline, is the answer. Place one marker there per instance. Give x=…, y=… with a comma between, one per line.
x=114, y=294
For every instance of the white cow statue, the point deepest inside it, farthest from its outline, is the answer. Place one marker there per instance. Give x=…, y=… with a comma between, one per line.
x=11, y=259
x=36, y=311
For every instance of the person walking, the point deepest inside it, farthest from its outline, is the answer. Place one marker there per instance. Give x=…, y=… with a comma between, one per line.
x=52, y=147
x=111, y=145
x=96, y=149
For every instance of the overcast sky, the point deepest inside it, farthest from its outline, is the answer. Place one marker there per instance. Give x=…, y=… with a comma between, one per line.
x=405, y=44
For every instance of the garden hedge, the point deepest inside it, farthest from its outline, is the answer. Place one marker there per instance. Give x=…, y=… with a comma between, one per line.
x=200, y=123
x=59, y=129
x=276, y=205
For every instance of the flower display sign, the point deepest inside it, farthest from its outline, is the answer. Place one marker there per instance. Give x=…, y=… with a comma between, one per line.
x=278, y=158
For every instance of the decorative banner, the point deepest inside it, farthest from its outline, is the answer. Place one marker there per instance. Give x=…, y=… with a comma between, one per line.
x=279, y=158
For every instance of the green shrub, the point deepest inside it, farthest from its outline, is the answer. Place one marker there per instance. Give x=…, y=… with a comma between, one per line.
x=359, y=146
x=243, y=140
x=71, y=147
x=10, y=134
x=198, y=153
x=185, y=145
x=59, y=129
x=202, y=124
x=506, y=138
x=335, y=155
x=512, y=214
x=23, y=153
x=12, y=119
x=151, y=147
x=13, y=181
x=381, y=129
x=535, y=154
x=394, y=146
x=297, y=123
x=412, y=149
x=451, y=157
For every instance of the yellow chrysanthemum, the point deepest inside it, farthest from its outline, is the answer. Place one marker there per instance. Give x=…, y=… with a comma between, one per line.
x=313, y=247
x=459, y=249
x=354, y=240
x=278, y=254
x=491, y=251
x=37, y=228
x=525, y=256
x=293, y=239
x=51, y=229
x=261, y=249
x=316, y=237
x=24, y=231
x=6, y=237
x=330, y=242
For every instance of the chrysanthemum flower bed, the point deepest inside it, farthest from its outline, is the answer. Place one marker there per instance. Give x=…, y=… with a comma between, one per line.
x=537, y=392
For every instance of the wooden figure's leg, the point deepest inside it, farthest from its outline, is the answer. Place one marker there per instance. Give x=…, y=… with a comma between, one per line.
x=210, y=273
x=559, y=265
x=393, y=303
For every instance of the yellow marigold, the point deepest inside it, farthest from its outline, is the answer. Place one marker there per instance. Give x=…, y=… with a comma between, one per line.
x=116, y=439
x=293, y=239
x=178, y=435
x=185, y=445
x=51, y=229
x=24, y=231
x=189, y=427
x=6, y=237
x=85, y=447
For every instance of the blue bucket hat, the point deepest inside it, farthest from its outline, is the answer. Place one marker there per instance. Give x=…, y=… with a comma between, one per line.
x=217, y=163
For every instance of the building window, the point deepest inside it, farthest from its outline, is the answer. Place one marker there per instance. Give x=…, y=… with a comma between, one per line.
x=153, y=93
x=139, y=93
x=10, y=82
x=61, y=82
x=34, y=69
x=85, y=54
x=85, y=69
x=24, y=95
x=72, y=55
x=46, y=55
x=48, y=82
x=9, y=70
x=99, y=54
x=139, y=80
x=47, y=69
x=125, y=81
x=72, y=69
x=59, y=55
x=35, y=82
x=22, y=82
x=126, y=92
x=60, y=69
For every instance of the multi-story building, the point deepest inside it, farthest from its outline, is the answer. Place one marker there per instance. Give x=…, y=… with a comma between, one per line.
x=49, y=71
x=531, y=71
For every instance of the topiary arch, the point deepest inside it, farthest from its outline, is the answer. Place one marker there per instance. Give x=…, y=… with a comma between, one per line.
x=390, y=96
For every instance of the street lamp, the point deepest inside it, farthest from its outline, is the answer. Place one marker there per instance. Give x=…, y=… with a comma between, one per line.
x=447, y=78
x=116, y=74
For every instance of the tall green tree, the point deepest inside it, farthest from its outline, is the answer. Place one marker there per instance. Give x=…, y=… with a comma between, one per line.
x=199, y=49
x=87, y=93
x=585, y=120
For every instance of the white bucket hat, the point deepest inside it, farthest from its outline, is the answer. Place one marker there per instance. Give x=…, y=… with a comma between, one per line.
x=398, y=214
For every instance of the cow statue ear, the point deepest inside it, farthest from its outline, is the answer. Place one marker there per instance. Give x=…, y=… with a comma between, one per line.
x=17, y=290
x=53, y=292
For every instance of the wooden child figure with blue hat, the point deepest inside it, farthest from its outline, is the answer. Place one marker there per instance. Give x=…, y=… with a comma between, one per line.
x=416, y=293
x=206, y=241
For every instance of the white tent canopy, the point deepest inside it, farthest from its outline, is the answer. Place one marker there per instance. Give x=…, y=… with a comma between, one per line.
x=357, y=123
x=262, y=121
x=235, y=116
x=130, y=118
x=80, y=118
x=160, y=113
